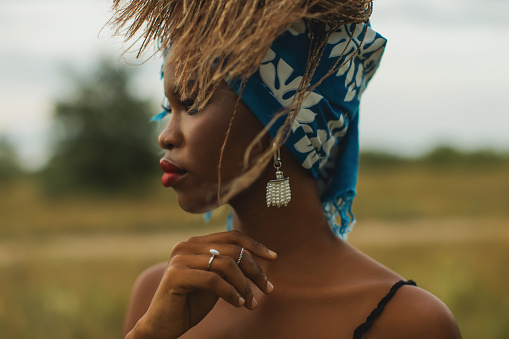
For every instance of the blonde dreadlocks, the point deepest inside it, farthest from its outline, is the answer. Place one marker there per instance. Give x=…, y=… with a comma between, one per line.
x=214, y=40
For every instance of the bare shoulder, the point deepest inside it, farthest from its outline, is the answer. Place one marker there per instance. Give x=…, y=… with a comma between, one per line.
x=411, y=313
x=144, y=289
x=415, y=313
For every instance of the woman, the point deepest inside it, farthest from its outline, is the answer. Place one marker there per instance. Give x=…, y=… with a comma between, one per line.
x=257, y=88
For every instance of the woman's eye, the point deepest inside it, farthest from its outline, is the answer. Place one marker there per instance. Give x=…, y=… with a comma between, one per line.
x=188, y=104
x=166, y=109
x=165, y=105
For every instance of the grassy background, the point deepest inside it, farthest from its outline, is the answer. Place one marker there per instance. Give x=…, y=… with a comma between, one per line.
x=67, y=265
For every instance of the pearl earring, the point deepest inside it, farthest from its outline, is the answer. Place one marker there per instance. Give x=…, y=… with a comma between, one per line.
x=278, y=191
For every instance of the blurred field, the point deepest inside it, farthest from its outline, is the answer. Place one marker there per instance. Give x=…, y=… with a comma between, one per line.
x=67, y=265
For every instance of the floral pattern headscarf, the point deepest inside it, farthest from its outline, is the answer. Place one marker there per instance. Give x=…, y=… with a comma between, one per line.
x=324, y=136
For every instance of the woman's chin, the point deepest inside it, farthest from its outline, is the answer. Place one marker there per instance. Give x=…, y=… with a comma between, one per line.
x=196, y=206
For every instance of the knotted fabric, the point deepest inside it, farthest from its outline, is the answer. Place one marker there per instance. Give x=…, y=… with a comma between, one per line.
x=324, y=136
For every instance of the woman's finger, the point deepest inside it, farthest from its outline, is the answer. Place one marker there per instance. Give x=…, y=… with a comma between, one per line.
x=190, y=279
x=255, y=273
x=247, y=264
x=225, y=267
x=237, y=238
x=228, y=268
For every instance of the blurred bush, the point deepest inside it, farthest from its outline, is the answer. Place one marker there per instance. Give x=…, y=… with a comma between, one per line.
x=9, y=163
x=445, y=183
x=103, y=141
x=439, y=157
x=449, y=156
x=377, y=159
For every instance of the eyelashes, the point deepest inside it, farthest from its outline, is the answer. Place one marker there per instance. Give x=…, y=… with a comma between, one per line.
x=165, y=105
x=187, y=104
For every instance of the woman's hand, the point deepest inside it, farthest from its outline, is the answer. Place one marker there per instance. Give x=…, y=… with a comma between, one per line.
x=188, y=290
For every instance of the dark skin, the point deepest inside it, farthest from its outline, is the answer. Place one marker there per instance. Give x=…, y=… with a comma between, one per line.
x=316, y=286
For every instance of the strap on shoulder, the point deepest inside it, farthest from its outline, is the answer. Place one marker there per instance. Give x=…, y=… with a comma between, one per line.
x=363, y=328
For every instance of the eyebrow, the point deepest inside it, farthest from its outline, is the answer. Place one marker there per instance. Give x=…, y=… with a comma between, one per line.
x=177, y=90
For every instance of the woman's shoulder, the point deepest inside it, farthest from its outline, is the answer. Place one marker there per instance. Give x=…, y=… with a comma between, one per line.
x=408, y=311
x=148, y=281
x=415, y=313
x=144, y=289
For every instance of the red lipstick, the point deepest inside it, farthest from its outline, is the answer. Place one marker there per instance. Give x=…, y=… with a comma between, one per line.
x=172, y=173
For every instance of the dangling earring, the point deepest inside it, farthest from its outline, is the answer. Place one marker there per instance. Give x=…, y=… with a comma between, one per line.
x=278, y=191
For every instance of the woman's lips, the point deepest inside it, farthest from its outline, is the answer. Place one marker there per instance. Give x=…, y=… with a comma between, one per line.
x=172, y=173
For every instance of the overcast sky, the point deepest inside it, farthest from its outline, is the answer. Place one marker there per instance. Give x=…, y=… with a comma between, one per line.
x=443, y=78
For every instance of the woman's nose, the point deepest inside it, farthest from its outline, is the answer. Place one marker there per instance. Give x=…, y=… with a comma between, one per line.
x=171, y=136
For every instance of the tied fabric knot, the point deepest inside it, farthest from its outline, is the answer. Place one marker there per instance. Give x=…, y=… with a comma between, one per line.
x=324, y=137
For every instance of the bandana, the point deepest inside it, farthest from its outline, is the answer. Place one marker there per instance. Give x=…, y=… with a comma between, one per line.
x=324, y=137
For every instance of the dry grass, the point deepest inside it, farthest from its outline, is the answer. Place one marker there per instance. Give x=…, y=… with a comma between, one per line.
x=67, y=266
x=411, y=192
x=27, y=213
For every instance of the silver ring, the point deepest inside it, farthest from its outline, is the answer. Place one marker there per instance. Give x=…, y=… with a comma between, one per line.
x=240, y=256
x=214, y=254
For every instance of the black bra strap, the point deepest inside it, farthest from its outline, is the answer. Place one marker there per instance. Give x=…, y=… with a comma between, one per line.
x=363, y=328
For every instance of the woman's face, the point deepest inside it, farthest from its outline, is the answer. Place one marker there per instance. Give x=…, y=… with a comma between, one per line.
x=193, y=141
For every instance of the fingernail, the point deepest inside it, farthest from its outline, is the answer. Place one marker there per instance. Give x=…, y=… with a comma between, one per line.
x=272, y=253
x=270, y=287
x=254, y=302
x=241, y=301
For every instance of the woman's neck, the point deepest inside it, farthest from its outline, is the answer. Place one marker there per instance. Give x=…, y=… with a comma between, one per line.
x=299, y=230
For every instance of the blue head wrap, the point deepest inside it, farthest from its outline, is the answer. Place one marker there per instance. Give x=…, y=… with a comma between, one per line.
x=324, y=137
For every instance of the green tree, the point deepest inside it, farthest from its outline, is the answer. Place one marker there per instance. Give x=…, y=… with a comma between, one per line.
x=103, y=140
x=9, y=162
x=444, y=156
